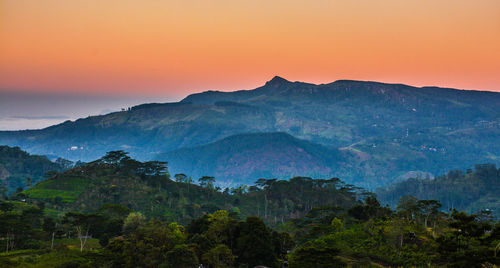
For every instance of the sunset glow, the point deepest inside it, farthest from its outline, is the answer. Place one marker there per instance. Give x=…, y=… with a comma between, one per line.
x=178, y=47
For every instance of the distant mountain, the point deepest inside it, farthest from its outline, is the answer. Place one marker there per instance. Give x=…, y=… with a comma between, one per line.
x=243, y=158
x=393, y=129
x=18, y=168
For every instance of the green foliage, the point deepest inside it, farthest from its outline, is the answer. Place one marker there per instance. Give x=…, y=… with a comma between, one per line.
x=336, y=224
x=316, y=223
x=181, y=256
x=219, y=256
x=68, y=189
x=148, y=246
x=44, y=259
x=218, y=240
x=133, y=221
x=254, y=245
x=472, y=191
x=20, y=169
x=315, y=255
x=127, y=183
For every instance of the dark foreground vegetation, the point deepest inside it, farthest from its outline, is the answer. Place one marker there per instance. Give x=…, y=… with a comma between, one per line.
x=366, y=235
x=119, y=212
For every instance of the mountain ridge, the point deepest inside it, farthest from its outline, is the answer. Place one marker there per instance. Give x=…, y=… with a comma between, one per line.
x=406, y=128
x=280, y=82
x=254, y=155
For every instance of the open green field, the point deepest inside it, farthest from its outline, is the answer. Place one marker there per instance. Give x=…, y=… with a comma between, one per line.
x=66, y=188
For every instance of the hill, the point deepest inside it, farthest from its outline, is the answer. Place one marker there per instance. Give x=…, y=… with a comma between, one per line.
x=244, y=157
x=405, y=129
x=473, y=190
x=147, y=187
x=20, y=169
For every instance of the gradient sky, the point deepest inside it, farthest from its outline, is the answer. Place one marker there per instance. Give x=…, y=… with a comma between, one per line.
x=172, y=48
x=94, y=56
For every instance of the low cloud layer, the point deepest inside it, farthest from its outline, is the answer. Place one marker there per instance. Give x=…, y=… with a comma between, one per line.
x=21, y=110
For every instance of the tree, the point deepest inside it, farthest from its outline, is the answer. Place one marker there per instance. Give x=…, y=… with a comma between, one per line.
x=464, y=245
x=157, y=168
x=64, y=163
x=240, y=190
x=369, y=210
x=133, y=221
x=114, y=157
x=266, y=185
x=49, y=226
x=180, y=177
x=254, y=245
x=219, y=223
x=337, y=225
x=428, y=208
x=82, y=224
x=282, y=242
x=408, y=207
x=220, y=256
x=207, y=182
x=182, y=257
x=150, y=245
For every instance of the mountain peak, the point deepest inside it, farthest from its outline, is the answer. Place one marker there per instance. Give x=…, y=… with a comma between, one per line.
x=277, y=80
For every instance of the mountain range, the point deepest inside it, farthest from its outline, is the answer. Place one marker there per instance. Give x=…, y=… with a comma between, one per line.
x=368, y=133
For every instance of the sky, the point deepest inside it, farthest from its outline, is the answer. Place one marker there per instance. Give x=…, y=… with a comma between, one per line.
x=125, y=51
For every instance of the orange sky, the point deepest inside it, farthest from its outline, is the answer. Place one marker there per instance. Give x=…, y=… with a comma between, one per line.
x=172, y=48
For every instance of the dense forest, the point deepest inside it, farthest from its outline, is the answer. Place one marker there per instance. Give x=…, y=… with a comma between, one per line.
x=473, y=190
x=147, y=187
x=120, y=212
x=365, y=235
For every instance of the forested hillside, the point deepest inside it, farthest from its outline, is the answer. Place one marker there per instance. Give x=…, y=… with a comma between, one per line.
x=473, y=190
x=20, y=169
x=393, y=129
x=120, y=212
x=147, y=187
x=366, y=235
x=244, y=157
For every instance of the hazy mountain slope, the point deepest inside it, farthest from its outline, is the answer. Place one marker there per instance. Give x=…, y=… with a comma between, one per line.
x=245, y=157
x=394, y=128
x=143, y=130
x=16, y=166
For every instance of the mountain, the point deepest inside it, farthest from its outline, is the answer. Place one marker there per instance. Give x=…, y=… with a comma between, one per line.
x=395, y=130
x=19, y=169
x=243, y=158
